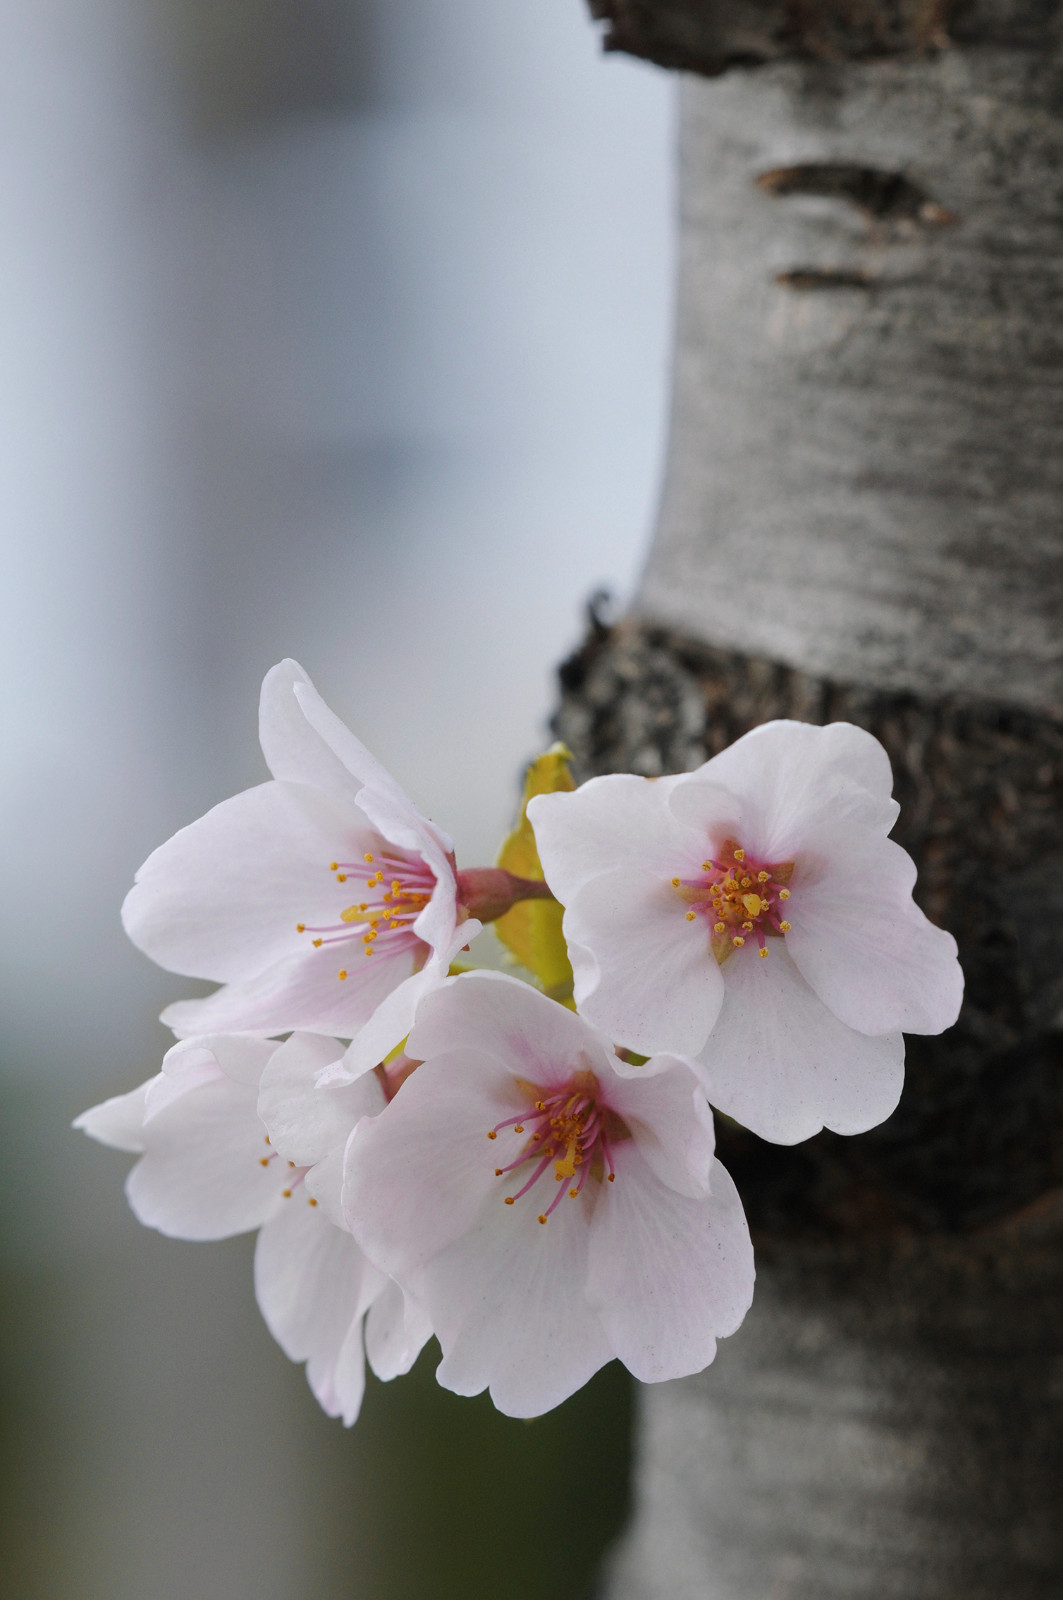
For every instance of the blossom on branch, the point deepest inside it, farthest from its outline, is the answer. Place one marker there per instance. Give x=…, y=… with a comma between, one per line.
x=210, y=1166
x=322, y=900
x=549, y=1206
x=754, y=916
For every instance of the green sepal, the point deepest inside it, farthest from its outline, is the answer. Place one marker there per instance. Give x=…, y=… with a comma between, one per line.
x=531, y=931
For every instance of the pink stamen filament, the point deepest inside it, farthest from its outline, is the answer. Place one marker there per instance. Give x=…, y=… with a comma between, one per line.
x=378, y=921
x=565, y=1129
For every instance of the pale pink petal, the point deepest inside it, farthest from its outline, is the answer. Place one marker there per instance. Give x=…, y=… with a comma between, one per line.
x=193, y=1062
x=644, y=974
x=390, y=1022
x=295, y=751
x=507, y=1304
x=201, y=1176
x=396, y=1331
x=305, y=1123
x=788, y=773
x=668, y=1275
x=379, y=796
x=223, y=897
x=863, y=944
x=663, y=1106
x=118, y=1122
x=314, y=1286
x=418, y=1174
x=783, y=1066
x=610, y=822
x=306, y=993
x=543, y=1043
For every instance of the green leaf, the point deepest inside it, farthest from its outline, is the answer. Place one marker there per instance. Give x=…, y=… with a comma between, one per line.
x=531, y=931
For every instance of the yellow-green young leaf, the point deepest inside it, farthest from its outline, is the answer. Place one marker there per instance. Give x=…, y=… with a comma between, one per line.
x=531, y=931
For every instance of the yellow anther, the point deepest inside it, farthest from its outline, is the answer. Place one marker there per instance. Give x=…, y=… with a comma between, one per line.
x=286, y=1194
x=311, y=1201
x=738, y=940
x=263, y=1161
x=509, y=1199
x=368, y=951
x=267, y=1138
x=719, y=927
x=499, y=1171
x=690, y=916
x=396, y=885
x=676, y=883
x=317, y=943
x=333, y=866
x=291, y=1163
x=368, y=857
x=572, y=1194
x=519, y=1128
x=762, y=877
x=341, y=877
x=542, y=1216
x=753, y=904
x=612, y=1175
x=740, y=855
x=747, y=927
x=785, y=926
x=706, y=866
x=746, y=882
x=540, y=1105
x=492, y=1134
x=300, y=927
x=784, y=894
x=762, y=952
x=342, y=973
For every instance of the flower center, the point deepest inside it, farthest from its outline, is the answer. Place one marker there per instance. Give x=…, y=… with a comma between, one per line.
x=396, y=889
x=740, y=897
x=568, y=1129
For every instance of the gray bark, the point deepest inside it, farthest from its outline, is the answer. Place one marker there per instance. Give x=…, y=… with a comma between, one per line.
x=861, y=517
x=865, y=472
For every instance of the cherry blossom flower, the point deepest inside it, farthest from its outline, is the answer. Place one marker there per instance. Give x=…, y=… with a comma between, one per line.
x=322, y=900
x=754, y=916
x=209, y=1169
x=549, y=1206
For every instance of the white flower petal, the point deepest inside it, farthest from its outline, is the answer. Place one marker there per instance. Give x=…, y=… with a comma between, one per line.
x=788, y=773
x=668, y=1274
x=295, y=750
x=396, y=1331
x=663, y=1106
x=306, y=1123
x=118, y=1122
x=863, y=944
x=507, y=1304
x=610, y=822
x=501, y=1017
x=783, y=1065
x=306, y=993
x=644, y=974
x=223, y=897
x=314, y=1286
x=201, y=1176
x=418, y=1173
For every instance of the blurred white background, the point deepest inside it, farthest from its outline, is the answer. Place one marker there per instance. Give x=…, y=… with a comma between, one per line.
x=330, y=328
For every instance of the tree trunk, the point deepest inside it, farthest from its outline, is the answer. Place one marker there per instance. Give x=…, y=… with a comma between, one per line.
x=861, y=519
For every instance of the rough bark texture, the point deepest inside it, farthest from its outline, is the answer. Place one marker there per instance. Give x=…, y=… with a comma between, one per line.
x=861, y=518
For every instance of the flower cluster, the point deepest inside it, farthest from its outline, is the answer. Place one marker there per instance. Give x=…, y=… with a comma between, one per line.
x=521, y=1168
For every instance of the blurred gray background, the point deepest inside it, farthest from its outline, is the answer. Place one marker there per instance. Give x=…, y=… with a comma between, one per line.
x=332, y=328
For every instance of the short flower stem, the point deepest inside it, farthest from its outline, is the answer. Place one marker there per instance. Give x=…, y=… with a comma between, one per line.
x=489, y=892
